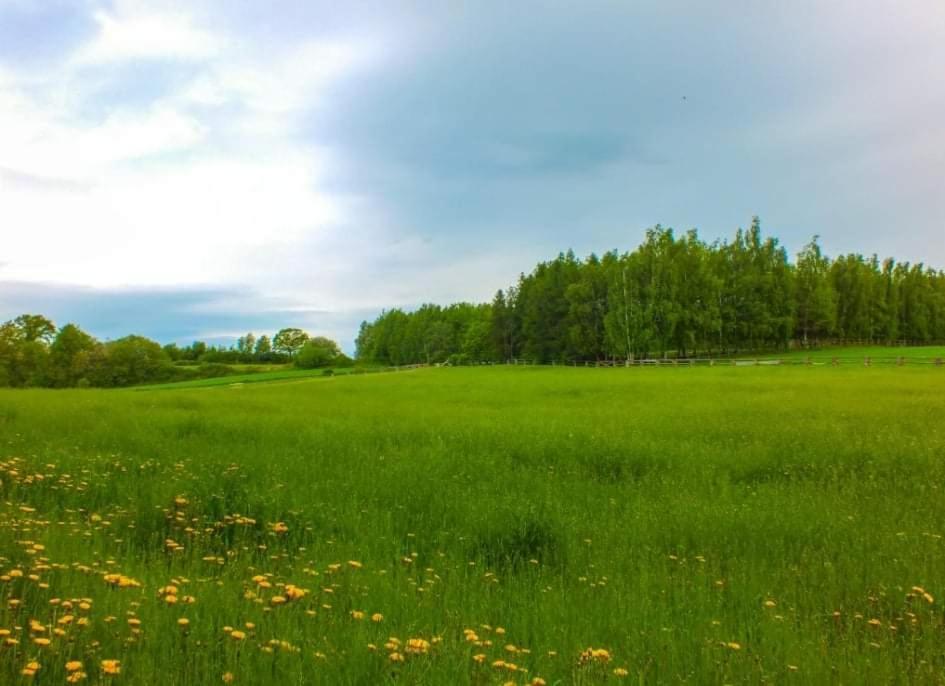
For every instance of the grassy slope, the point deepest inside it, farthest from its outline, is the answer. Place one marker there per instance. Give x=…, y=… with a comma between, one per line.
x=287, y=373
x=663, y=508
x=878, y=353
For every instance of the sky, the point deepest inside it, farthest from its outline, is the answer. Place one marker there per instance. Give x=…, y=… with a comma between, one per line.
x=197, y=170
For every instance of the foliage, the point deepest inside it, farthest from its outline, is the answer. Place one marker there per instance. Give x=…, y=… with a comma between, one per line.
x=317, y=352
x=673, y=296
x=34, y=353
x=289, y=341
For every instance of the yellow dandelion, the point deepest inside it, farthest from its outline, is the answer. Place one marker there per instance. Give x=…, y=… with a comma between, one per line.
x=418, y=646
x=111, y=667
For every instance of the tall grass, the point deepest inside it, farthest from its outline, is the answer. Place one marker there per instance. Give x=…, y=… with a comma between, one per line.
x=723, y=525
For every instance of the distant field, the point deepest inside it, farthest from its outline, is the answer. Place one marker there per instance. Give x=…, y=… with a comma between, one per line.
x=877, y=353
x=284, y=373
x=479, y=526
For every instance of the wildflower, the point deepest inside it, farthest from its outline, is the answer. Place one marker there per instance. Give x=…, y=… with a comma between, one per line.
x=357, y=614
x=76, y=677
x=277, y=600
x=111, y=667
x=183, y=622
x=479, y=657
x=418, y=646
x=538, y=681
x=621, y=672
x=377, y=618
x=733, y=645
x=280, y=528
x=594, y=655
x=121, y=581
x=354, y=564
x=395, y=657
x=228, y=677
x=30, y=669
x=294, y=592
x=238, y=635
x=73, y=666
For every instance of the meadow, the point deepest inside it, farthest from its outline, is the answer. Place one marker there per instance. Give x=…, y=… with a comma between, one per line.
x=775, y=524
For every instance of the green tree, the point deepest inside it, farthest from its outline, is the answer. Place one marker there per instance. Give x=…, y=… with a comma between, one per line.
x=246, y=345
x=289, y=341
x=69, y=356
x=318, y=352
x=129, y=361
x=816, y=298
x=263, y=346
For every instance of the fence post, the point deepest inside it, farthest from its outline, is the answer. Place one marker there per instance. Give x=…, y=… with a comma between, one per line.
x=835, y=362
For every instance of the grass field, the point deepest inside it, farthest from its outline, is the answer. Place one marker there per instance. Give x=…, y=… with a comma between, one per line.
x=284, y=373
x=879, y=354
x=480, y=526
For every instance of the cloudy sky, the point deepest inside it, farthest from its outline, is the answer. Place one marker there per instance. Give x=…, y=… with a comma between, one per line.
x=200, y=169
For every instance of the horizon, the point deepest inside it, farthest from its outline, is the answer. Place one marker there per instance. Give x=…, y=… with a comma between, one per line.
x=192, y=173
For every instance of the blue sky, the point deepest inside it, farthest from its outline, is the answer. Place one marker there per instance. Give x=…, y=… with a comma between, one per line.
x=202, y=169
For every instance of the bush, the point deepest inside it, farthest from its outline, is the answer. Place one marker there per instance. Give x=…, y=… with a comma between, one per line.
x=318, y=352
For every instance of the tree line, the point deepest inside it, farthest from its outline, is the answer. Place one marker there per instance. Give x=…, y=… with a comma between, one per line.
x=673, y=296
x=33, y=352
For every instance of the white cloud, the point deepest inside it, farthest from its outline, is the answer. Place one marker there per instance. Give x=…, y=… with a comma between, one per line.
x=170, y=36
x=170, y=192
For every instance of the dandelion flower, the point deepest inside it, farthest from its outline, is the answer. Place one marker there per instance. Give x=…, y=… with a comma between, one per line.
x=111, y=667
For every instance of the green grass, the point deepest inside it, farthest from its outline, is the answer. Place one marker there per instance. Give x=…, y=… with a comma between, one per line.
x=664, y=515
x=284, y=374
x=857, y=353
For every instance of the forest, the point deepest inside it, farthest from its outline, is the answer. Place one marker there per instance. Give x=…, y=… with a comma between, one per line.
x=34, y=353
x=673, y=296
